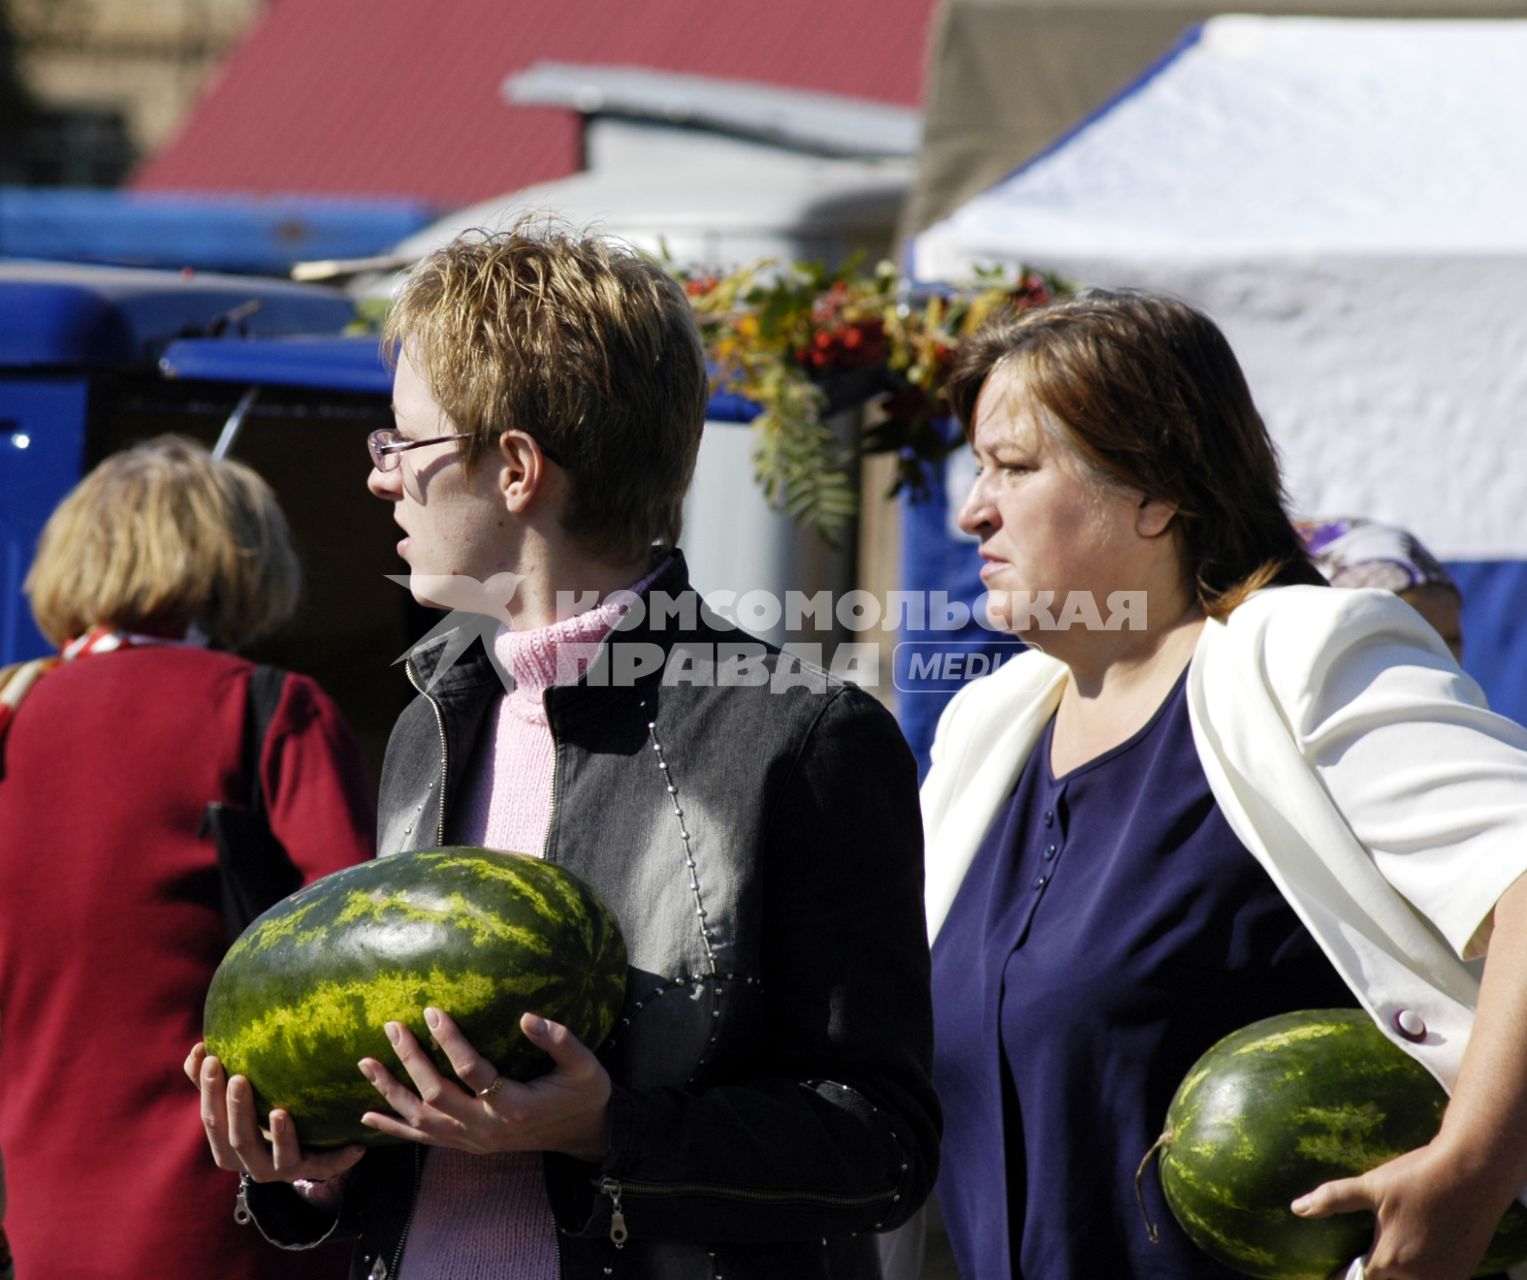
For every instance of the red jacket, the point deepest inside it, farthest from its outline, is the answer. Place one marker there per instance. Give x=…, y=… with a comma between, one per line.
x=110, y=929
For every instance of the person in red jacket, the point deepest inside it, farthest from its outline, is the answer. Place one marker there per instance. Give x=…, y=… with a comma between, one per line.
x=157, y=565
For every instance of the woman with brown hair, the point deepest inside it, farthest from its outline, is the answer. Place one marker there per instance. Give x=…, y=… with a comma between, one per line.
x=1244, y=794
x=111, y=921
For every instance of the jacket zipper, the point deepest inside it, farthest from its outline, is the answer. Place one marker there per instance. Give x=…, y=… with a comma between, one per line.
x=551, y=818
x=618, y=1231
x=556, y=777
x=556, y=1239
x=617, y=1187
x=444, y=748
x=408, y=1218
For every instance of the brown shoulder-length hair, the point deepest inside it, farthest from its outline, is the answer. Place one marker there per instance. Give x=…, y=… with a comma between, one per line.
x=1150, y=396
x=583, y=344
x=160, y=536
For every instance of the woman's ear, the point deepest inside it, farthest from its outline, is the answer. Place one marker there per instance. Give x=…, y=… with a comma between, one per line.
x=1154, y=517
x=522, y=468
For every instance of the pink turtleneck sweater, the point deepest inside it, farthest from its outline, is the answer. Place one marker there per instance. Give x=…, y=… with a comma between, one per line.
x=482, y=1217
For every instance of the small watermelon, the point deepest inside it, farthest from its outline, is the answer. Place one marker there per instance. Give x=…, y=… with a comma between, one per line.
x=304, y=993
x=1275, y=1109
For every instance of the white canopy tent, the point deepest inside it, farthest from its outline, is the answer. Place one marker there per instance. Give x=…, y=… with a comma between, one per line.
x=1348, y=198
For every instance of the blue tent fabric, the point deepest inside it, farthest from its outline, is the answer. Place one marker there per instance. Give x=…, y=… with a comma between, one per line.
x=938, y=561
x=1494, y=639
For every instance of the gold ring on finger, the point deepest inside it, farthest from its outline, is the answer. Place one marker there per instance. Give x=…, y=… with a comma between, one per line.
x=498, y=1083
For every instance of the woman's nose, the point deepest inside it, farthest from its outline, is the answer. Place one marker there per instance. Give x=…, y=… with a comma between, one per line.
x=385, y=484
x=976, y=512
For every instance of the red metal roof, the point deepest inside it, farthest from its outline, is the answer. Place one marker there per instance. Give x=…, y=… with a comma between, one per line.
x=404, y=98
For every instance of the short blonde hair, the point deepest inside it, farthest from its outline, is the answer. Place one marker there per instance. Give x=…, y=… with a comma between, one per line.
x=160, y=536
x=580, y=343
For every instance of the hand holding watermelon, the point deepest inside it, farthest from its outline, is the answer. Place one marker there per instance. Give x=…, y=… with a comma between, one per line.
x=564, y=1110
x=1437, y=1204
x=1431, y=1224
x=1319, y=1109
x=238, y=1144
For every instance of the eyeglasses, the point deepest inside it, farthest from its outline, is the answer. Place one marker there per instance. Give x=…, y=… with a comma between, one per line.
x=385, y=445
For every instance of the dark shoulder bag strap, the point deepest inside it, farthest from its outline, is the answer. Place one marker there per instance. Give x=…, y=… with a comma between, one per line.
x=253, y=866
x=265, y=687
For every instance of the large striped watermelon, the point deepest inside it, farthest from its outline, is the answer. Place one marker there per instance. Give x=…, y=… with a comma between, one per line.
x=303, y=994
x=1277, y=1108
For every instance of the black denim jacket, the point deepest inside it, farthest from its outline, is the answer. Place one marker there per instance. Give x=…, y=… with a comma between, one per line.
x=753, y=824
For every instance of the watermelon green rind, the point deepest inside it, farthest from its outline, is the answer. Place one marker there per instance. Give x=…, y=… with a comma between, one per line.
x=1508, y=1247
x=1275, y=1109
x=305, y=991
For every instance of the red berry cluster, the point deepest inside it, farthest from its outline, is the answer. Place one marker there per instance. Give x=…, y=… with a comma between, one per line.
x=838, y=342
x=1031, y=291
x=849, y=345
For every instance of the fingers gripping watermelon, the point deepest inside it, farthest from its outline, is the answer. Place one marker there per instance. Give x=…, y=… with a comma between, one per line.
x=304, y=993
x=1277, y=1108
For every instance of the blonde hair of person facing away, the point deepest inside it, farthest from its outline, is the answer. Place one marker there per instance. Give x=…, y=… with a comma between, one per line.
x=162, y=537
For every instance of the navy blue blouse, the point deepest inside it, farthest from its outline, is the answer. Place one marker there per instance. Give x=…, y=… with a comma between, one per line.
x=1109, y=930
